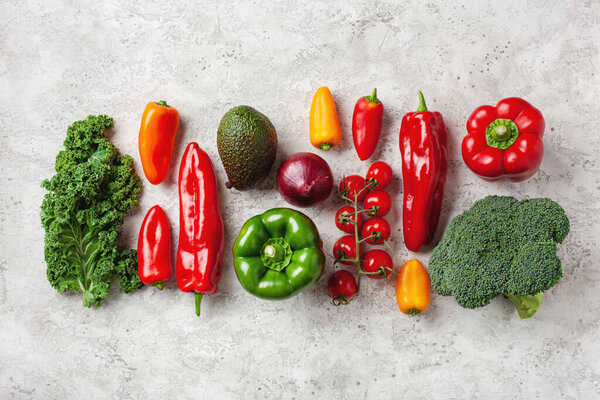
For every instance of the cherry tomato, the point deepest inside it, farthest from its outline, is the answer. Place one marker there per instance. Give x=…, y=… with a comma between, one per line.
x=381, y=174
x=374, y=260
x=341, y=287
x=378, y=203
x=346, y=247
x=378, y=226
x=347, y=226
x=351, y=185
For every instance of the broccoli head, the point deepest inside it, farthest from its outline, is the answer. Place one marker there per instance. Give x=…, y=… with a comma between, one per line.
x=501, y=246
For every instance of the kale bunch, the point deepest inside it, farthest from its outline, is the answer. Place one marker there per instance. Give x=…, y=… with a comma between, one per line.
x=501, y=246
x=82, y=214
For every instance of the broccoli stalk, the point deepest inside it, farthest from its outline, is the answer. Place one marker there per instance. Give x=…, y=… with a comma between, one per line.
x=501, y=246
x=82, y=213
x=526, y=305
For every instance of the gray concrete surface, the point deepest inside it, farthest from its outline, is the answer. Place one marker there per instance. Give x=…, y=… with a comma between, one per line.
x=60, y=61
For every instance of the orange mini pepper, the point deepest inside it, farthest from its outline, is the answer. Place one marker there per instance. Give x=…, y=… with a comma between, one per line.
x=324, y=125
x=156, y=140
x=413, y=288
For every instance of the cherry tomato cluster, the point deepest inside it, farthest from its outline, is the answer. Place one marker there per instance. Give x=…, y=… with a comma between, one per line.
x=362, y=225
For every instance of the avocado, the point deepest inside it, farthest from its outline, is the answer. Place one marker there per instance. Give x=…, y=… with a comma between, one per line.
x=247, y=144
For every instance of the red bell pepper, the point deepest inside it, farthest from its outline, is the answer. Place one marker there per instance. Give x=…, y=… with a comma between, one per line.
x=154, y=249
x=201, y=236
x=504, y=142
x=423, y=137
x=366, y=124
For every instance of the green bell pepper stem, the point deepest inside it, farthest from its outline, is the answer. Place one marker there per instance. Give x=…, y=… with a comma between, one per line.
x=197, y=300
x=422, y=105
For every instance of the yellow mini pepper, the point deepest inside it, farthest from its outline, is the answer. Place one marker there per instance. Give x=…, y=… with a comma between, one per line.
x=324, y=125
x=413, y=288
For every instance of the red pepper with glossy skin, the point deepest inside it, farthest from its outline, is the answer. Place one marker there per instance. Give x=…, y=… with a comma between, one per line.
x=504, y=142
x=423, y=137
x=201, y=236
x=366, y=125
x=154, y=249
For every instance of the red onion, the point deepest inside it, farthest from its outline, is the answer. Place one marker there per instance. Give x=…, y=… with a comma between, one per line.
x=304, y=179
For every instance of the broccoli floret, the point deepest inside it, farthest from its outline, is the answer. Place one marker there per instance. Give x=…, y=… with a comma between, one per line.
x=501, y=246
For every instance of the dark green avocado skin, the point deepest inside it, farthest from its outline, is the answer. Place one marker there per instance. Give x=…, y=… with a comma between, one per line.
x=247, y=144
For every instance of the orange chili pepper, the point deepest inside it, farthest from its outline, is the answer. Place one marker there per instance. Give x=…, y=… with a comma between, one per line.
x=324, y=125
x=156, y=139
x=413, y=288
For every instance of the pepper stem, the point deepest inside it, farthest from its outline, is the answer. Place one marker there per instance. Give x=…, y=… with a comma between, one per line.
x=325, y=146
x=158, y=285
x=163, y=103
x=276, y=254
x=373, y=97
x=501, y=133
x=422, y=105
x=198, y=300
x=274, y=251
x=413, y=311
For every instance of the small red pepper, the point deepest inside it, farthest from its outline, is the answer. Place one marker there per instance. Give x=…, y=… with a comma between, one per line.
x=201, y=236
x=154, y=249
x=504, y=142
x=423, y=137
x=366, y=125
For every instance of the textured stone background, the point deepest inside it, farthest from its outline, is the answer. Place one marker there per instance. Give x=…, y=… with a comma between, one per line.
x=60, y=61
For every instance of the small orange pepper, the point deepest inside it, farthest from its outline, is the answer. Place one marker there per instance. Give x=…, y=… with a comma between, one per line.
x=156, y=140
x=413, y=288
x=324, y=125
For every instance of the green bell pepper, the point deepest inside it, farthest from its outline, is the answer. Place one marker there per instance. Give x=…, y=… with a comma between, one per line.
x=278, y=254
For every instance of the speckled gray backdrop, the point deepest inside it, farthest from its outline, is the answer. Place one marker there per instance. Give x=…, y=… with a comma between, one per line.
x=60, y=61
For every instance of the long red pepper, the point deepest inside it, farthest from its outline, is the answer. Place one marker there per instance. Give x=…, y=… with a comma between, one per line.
x=201, y=236
x=423, y=137
x=154, y=249
x=366, y=125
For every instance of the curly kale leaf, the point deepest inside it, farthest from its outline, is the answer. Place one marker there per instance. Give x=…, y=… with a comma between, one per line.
x=82, y=213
